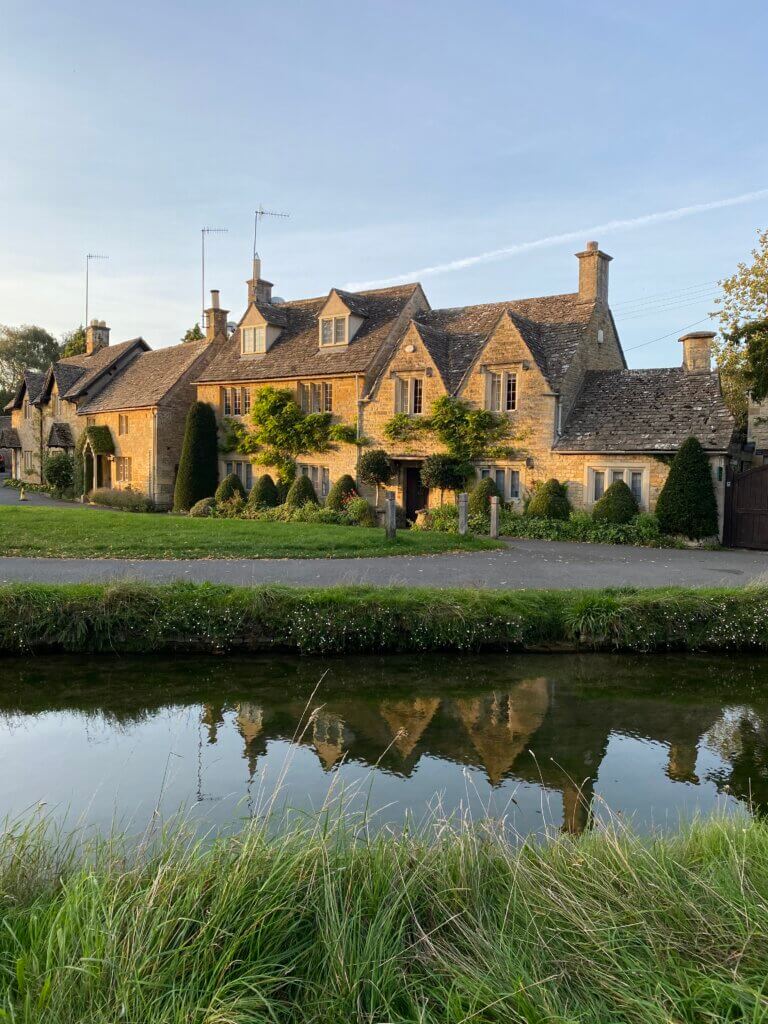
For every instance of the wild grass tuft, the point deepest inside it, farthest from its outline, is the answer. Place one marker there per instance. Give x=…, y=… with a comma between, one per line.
x=324, y=923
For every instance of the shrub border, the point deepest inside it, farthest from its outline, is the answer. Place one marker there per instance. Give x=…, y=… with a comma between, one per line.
x=130, y=617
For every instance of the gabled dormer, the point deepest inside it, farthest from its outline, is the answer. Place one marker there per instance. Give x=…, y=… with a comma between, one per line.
x=261, y=327
x=341, y=317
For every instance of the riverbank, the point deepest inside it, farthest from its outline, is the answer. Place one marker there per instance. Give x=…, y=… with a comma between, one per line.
x=142, y=618
x=325, y=923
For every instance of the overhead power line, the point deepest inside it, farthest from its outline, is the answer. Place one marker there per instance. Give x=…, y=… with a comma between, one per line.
x=672, y=334
x=653, y=297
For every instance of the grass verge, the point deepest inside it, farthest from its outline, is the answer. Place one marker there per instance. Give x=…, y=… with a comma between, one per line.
x=137, y=617
x=82, y=533
x=325, y=923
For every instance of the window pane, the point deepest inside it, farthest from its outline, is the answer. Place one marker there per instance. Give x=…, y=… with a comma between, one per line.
x=325, y=485
x=599, y=484
x=246, y=397
x=229, y=468
x=494, y=394
x=327, y=397
x=484, y=473
x=636, y=486
x=260, y=342
x=418, y=390
x=514, y=484
x=339, y=330
x=510, y=399
x=226, y=402
x=401, y=395
x=501, y=482
x=236, y=401
x=616, y=475
x=326, y=337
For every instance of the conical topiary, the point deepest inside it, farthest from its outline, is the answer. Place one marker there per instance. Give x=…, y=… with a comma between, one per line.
x=230, y=487
x=198, y=472
x=264, y=493
x=301, y=492
x=479, y=502
x=617, y=506
x=341, y=492
x=687, y=503
x=550, y=501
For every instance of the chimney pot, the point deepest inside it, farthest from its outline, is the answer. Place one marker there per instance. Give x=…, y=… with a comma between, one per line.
x=96, y=336
x=697, y=351
x=592, y=246
x=215, y=318
x=214, y=298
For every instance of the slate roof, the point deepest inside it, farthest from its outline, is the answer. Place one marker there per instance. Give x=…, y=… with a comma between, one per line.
x=146, y=379
x=296, y=352
x=552, y=327
x=9, y=438
x=95, y=365
x=60, y=436
x=647, y=411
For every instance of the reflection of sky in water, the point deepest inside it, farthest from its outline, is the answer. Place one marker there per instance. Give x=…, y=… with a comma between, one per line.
x=538, y=751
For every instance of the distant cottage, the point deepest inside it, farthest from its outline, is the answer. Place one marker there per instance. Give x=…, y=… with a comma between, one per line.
x=553, y=365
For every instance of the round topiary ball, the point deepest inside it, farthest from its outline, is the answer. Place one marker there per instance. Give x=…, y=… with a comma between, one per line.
x=264, y=493
x=230, y=487
x=479, y=502
x=341, y=492
x=550, y=501
x=301, y=492
x=617, y=506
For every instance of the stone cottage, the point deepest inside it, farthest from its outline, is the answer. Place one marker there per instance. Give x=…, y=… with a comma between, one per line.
x=553, y=365
x=125, y=402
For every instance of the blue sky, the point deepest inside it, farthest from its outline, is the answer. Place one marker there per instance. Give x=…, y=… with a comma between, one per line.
x=398, y=135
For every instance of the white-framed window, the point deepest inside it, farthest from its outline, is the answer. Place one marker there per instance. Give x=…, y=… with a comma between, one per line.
x=25, y=409
x=56, y=405
x=333, y=330
x=501, y=391
x=320, y=477
x=317, y=396
x=599, y=478
x=123, y=470
x=507, y=481
x=244, y=471
x=27, y=462
x=253, y=340
x=122, y=424
x=600, y=336
x=245, y=400
x=409, y=395
x=235, y=401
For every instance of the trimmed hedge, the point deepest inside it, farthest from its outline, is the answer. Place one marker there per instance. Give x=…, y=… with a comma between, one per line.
x=135, y=617
x=617, y=506
x=230, y=487
x=126, y=501
x=687, y=503
x=264, y=493
x=198, y=472
x=301, y=492
x=479, y=501
x=550, y=501
x=344, y=489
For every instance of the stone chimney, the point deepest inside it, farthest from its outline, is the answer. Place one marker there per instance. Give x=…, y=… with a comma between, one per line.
x=697, y=351
x=593, y=274
x=96, y=336
x=259, y=290
x=215, y=318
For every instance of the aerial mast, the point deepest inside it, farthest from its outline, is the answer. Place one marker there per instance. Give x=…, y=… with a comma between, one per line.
x=88, y=257
x=203, y=233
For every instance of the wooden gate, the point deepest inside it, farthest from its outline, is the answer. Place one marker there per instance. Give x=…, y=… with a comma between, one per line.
x=746, y=508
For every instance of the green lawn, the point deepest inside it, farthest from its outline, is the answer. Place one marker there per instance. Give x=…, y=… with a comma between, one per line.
x=86, y=533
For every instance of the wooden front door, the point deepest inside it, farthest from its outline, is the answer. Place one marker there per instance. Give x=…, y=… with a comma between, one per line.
x=416, y=494
x=746, y=524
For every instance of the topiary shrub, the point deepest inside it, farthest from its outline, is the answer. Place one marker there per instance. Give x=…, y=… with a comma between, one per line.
x=549, y=501
x=59, y=470
x=687, y=503
x=203, y=508
x=199, y=462
x=618, y=505
x=341, y=492
x=230, y=487
x=375, y=469
x=480, y=496
x=301, y=492
x=264, y=493
x=359, y=512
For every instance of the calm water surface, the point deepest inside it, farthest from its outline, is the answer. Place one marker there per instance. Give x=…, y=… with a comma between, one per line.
x=548, y=742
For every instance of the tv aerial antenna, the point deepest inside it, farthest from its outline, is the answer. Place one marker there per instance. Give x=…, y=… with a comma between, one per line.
x=204, y=232
x=88, y=257
x=259, y=215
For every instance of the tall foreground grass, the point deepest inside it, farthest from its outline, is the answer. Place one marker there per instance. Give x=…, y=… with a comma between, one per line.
x=139, y=617
x=325, y=925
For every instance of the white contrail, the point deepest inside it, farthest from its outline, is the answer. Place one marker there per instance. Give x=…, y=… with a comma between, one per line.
x=568, y=236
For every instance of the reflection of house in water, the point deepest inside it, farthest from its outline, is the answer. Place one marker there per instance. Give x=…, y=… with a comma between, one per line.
x=535, y=731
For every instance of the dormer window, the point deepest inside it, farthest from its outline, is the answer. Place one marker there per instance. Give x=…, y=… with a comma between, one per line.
x=254, y=340
x=333, y=331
